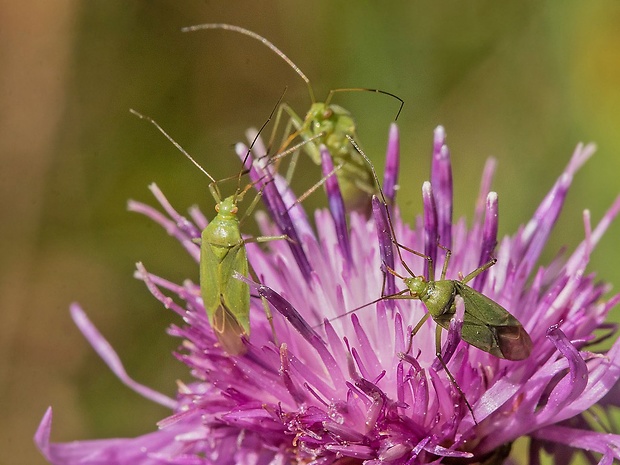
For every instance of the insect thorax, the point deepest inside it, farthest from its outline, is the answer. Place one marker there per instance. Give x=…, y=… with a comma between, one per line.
x=335, y=123
x=222, y=233
x=437, y=296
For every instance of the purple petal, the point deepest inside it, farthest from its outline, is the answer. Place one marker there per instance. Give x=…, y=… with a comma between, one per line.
x=109, y=356
x=336, y=204
x=536, y=232
x=392, y=163
x=603, y=443
x=285, y=308
x=278, y=210
x=430, y=229
x=386, y=249
x=489, y=238
x=572, y=385
x=149, y=449
x=441, y=180
x=485, y=189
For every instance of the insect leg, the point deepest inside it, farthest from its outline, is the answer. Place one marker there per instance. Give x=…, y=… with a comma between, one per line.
x=431, y=265
x=448, y=373
x=267, y=310
x=301, y=130
x=294, y=120
x=318, y=184
x=444, y=270
x=270, y=319
x=286, y=139
x=479, y=270
x=415, y=330
x=252, y=206
x=261, y=239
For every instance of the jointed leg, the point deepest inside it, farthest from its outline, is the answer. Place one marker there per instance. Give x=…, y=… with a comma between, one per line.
x=267, y=310
x=415, y=330
x=261, y=239
x=445, y=367
x=479, y=270
x=431, y=266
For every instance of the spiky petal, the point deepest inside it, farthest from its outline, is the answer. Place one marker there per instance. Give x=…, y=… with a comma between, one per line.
x=341, y=388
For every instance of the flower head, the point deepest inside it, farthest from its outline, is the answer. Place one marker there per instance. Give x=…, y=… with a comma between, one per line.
x=354, y=387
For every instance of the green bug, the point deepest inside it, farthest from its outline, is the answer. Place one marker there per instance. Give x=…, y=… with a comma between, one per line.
x=332, y=122
x=222, y=253
x=486, y=324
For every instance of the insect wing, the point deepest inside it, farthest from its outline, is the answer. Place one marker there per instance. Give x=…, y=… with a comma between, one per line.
x=236, y=293
x=490, y=327
x=228, y=331
x=209, y=278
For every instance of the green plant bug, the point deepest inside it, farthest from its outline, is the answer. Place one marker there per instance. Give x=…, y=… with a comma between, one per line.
x=331, y=122
x=486, y=324
x=222, y=253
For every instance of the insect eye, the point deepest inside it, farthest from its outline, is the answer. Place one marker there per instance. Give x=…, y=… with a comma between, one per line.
x=234, y=210
x=217, y=207
x=328, y=113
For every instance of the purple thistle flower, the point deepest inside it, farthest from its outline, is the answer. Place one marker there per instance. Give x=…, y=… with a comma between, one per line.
x=340, y=389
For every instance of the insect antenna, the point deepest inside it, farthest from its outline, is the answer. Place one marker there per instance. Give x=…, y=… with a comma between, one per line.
x=178, y=146
x=387, y=209
x=365, y=89
x=213, y=186
x=400, y=295
x=367, y=304
x=239, y=194
x=297, y=69
x=273, y=48
x=254, y=35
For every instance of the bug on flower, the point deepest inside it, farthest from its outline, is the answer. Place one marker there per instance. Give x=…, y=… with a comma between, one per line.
x=332, y=122
x=486, y=324
x=222, y=253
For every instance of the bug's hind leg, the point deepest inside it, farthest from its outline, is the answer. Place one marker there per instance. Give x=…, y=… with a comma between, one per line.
x=448, y=373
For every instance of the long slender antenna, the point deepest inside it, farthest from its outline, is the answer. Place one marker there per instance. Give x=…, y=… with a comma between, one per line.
x=367, y=304
x=254, y=35
x=385, y=203
x=239, y=192
x=365, y=89
x=242, y=171
x=257, y=136
x=174, y=142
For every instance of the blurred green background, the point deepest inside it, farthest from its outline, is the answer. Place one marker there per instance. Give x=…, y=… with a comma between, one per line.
x=521, y=81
